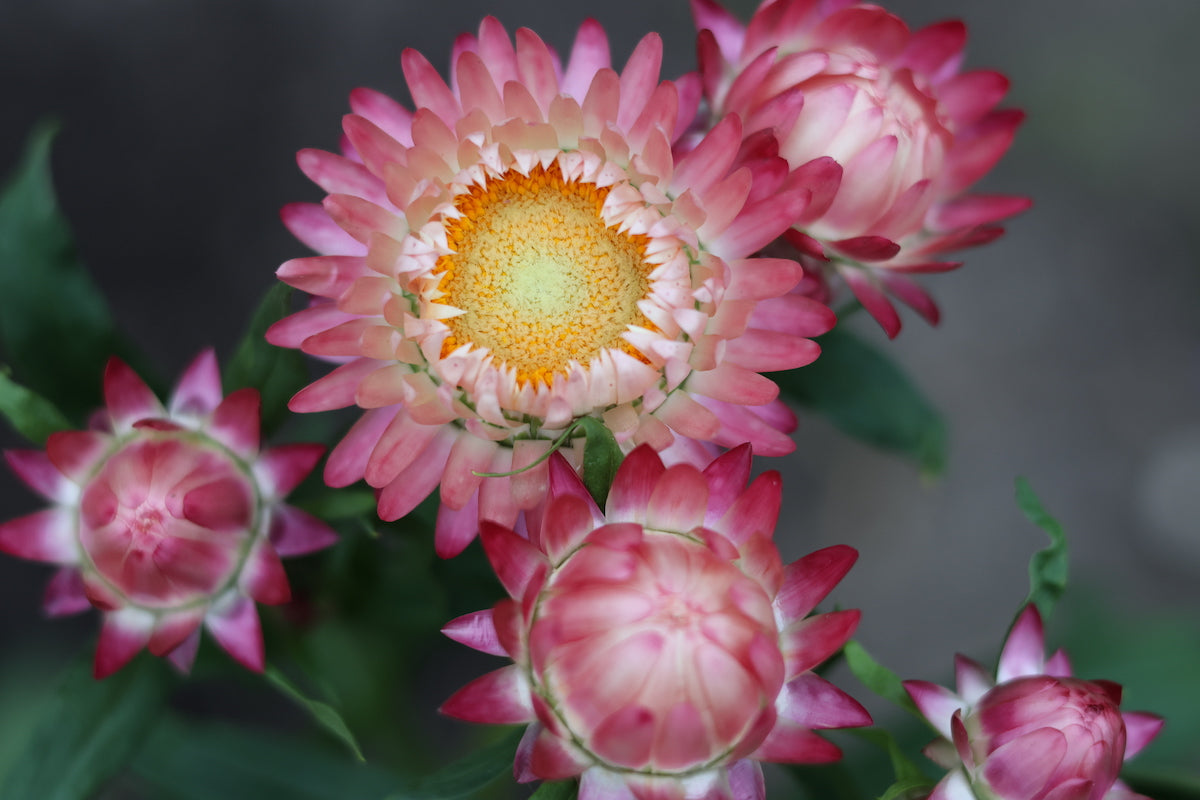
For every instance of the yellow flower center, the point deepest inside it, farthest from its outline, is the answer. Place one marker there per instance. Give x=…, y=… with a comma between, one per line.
x=540, y=277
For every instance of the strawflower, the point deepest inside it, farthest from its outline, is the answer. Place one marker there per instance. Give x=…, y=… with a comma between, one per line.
x=661, y=649
x=884, y=126
x=167, y=519
x=1033, y=733
x=526, y=249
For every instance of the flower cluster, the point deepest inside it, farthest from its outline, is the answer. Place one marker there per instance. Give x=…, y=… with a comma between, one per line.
x=167, y=518
x=541, y=271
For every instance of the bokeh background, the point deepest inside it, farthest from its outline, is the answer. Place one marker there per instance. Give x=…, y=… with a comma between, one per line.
x=1069, y=350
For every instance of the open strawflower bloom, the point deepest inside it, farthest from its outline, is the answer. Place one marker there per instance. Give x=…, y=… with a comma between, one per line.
x=567, y=304
x=882, y=120
x=661, y=648
x=1033, y=732
x=167, y=518
x=528, y=248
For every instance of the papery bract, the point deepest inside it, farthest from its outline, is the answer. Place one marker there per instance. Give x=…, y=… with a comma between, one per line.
x=661, y=649
x=167, y=518
x=878, y=117
x=1033, y=733
x=526, y=249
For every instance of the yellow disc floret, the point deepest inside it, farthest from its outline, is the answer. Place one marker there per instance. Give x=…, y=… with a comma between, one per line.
x=540, y=278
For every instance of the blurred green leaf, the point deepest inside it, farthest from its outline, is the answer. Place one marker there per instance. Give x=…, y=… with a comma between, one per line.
x=324, y=714
x=468, y=775
x=89, y=732
x=876, y=677
x=204, y=761
x=1048, y=567
x=277, y=372
x=330, y=504
x=30, y=414
x=556, y=790
x=908, y=789
x=907, y=773
x=865, y=395
x=601, y=457
x=55, y=327
x=826, y=781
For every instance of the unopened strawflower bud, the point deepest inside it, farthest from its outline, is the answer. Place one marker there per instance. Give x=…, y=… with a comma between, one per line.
x=167, y=518
x=1037, y=733
x=661, y=648
x=880, y=122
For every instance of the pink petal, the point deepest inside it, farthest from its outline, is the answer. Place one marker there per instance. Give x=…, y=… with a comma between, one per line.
x=65, y=594
x=1024, y=651
x=678, y=500
x=417, y=481
x=792, y=744
x=711, y=159
x=810, y=641
x=75, y=453
x=454, y=529
x=235, y=422
x=476, y=630
x=726, y=476
x=760, y=278
x=551, y=758
x=348, y=460
x=297, y=533
x=513, y=558
x=911, y=295
x=127, y=396
x=754, y=512
x=47, y=535
x=339, y=175
x=967, y=97
x=727, y=29
x=427, y=87
x=1023, y=767
x=936, y=703
x=38, y=472
x=813, y=702
x=567, y=522
x=173, y=629
x=589, y=55
x=867, y=248
x=376, y=149
x=236, y=628
x=121, y=637
x=327, y=276
x=394, y=119
x=263, y=576
x=633, y=484
x=872, y=299
x=639, y=78
x=759, y=350
x=732, y=383
x=283, y=468
x=499, y=697
x=972, y=679
x=311, y=224
x=183, y=656
x=761, y=223
x=199, y=389
x=1140, y=728
x=935, y=51
x=953, y=787
x=807, y=581
x=687, y=417
x=335, y=390
x=975, y=209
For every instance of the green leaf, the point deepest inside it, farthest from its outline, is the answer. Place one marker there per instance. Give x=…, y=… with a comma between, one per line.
x=909, y=789
x=826, y=781
x=601, y=457
x=876, y=677
x=204, y=761
x=556, y=790
x=55, y=327
x=324, y=714
x=905, y=770
x=1048, y=567
x=30, y=414
x=468, y=775
x=865, y=395
x=89, y=732
x=277, y=372
x=331, y=504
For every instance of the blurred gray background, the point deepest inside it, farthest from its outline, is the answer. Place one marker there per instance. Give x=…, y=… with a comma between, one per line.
x=1069, y=350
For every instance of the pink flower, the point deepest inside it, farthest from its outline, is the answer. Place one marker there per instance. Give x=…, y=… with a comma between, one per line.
x=881, y=122
x=661, y=649
x=526, y=249
x=167, y=518
x=1035, y=733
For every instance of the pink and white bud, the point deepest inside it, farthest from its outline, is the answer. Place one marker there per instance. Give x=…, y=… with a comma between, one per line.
x=1037, y=734
x=167, y=518
x=661, y=649
x=879, y=123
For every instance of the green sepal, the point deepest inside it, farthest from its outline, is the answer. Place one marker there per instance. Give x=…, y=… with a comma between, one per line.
x=322, y=713
x=601, y=458
x=876, y=677
x=1047, y=567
